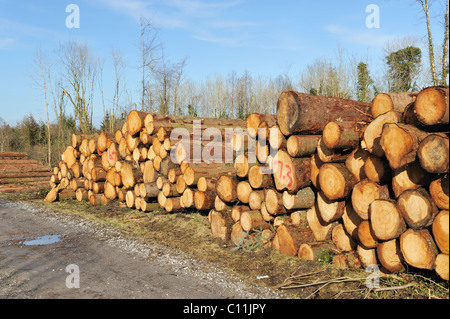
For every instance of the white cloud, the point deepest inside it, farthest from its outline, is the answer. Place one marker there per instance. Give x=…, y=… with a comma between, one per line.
x=366, y=37
x=7, y=42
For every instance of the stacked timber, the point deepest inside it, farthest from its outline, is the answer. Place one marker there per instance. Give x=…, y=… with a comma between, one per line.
x=381, y=179
x=19, y=174
x=366, y=181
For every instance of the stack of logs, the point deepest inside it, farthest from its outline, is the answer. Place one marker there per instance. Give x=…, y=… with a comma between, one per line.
x=20, y=174
x=367, y=181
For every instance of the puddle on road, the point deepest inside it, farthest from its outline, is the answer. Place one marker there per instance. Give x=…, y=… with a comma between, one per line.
x=43, y=240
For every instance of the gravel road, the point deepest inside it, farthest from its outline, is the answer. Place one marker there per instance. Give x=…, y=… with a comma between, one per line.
x=92, y=260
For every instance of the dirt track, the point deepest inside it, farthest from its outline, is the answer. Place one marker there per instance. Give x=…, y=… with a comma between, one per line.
x=110, y=265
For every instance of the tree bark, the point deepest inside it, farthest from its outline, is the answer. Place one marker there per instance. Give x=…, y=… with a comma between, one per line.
x=303, y=199
x=308, y=114
x=148, y=190
x=252, y=220
x=342, y=134
x=204, y=200
x=221, y=224
x=302, y=145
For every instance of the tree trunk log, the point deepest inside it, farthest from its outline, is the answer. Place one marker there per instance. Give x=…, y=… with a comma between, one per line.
x=304, y=113
x=410, y=176
x=321, y=230
x=418, y=248
x=335, y=180
x=291, y=174
x=417, y=208
x=329, y=210
x=355, y=163
x=386, y=220
x=135, y=121
x=303, y=199
x=302, y=145
x=431, y=105
x=390, y=255
x=226, y=188
x=237, y=211
x=204, y=200
x=259, y=177
x=377, y=169
x=341, y=239
x=274, y=202
x=439, y=191
x=366, y=236
x=372, y=133
x=400, y=143
x=384, y=102
x=364, y=193
x=221, y=224
x=291, y=237
x=433, y=154
x=254, y=119
x=252, y=220
x=315, y=251
x=243, y=190
x=342, y=134
x=441, y=266
x=256, y=198
x=148, y=190
x=440, y=231
x=173, y=204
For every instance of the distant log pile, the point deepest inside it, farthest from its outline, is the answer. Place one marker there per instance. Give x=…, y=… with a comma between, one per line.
x=19, y=174
x=365, y=181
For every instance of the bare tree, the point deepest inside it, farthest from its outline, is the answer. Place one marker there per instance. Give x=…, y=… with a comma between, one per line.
x=178, y=70
x=426, y=10
x=80, y=70
x=444, y=70
x=148, y=48
x=43, y=64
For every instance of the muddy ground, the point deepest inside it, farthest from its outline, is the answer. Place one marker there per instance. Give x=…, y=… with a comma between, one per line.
x=123, y=253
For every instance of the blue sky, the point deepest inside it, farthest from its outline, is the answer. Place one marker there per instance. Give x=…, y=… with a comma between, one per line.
x=264, y=37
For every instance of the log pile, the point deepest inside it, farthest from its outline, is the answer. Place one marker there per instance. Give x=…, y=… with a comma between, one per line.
x=366, y=181
x=20, y=174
